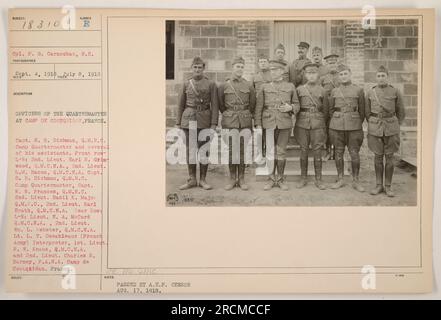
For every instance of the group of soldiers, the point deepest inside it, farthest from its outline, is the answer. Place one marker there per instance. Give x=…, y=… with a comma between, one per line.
x=317, y=99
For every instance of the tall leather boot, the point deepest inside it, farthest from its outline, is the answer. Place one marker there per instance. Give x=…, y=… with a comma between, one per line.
x=389, y=172
x=379, y=170
x=203, y=174
x=303, y=169
x=191, y=182
x=280, y=175
x=272, y=177
x=355, y=163
x=318, y=170
x=233, y=177
x=339, y=164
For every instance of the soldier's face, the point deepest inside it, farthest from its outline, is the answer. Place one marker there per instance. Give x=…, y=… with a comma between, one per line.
x=276, y=73
x=238, y=69
x=382, y=78
x=263, y=64
x=344, y=76
x=198, y=69
x=332, y=63
x=311, y=75
x=317, y=57
x=280, y=54
x=302, y=51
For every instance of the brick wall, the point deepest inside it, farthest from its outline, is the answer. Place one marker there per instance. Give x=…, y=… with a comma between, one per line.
x=394, y=44
x=337, y=38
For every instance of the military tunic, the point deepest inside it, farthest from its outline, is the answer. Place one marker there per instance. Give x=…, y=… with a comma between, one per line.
x=270, y=97
x=385, y=112
x=347, y=113
x=295, y=71
x=237, y=100
x=310, y=127
x=198, y=101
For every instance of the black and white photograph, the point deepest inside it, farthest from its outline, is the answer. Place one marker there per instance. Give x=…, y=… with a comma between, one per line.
x=292, y=112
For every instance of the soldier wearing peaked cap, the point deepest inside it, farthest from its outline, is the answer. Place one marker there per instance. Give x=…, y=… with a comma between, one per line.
x=385, y=113
x=276, y=102
x=310, y=127
x=347, y=113
x=198, y=102
x=237, y=100
x=295, y=69
x=279, y=55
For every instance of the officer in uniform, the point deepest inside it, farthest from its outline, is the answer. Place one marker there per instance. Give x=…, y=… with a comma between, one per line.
x=237, y=100
x=329, y=81
x=385, y=113
x=198, y=101
x=263, y=75
x=279, y=55
x=347, y=112
x=276, y=102
x=310, y=127
x=296, y=67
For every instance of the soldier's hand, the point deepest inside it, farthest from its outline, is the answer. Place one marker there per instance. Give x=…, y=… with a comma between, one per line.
x=258, y=127
x=213, y=126
x=296, y=108
x=285, y=107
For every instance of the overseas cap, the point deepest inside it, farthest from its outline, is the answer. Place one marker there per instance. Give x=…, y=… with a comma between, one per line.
x=303, y=44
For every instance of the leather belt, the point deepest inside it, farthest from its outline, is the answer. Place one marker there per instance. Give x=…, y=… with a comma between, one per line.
x=237, y=107
x=199, y=107
x=309, y=109
x=275, y=107
x=382, y=114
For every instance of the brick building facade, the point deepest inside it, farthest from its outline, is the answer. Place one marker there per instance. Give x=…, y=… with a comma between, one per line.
x=393, y=43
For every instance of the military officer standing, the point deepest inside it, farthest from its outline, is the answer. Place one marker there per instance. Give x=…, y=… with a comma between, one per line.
x=263, y=75
x=276, y=102
x=279, y=55
x=296, y=67
x=330, y=81
x=310, y=127
x=347, y=112
x=385, y=113
x=237, y=100
x=198, y=101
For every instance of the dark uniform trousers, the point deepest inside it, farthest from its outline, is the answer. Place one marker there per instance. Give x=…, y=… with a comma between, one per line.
x=345, y=127
x=329, y=81
x=384, y=110
x=310, y=127
x=258, y=80
x=277, y=124
x=237, y=100
x=198, y=102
